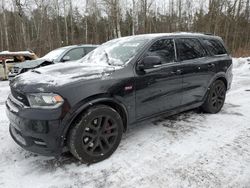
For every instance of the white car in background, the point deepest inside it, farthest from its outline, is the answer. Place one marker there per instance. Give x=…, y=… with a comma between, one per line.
x=63, y=54
x=9, y=59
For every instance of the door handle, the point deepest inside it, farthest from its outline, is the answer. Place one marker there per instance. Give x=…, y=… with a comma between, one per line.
x=177, y=72
x=211, y=65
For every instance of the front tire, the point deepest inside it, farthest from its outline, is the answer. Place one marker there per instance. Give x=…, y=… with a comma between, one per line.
x=96, y=134
x=215, y=98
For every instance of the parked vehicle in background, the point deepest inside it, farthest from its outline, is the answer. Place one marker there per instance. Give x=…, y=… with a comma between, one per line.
x=85, y=107
x=9, y=59
x=64, y=54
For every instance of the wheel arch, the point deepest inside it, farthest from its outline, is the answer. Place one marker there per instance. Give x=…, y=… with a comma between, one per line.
x=85, y=104
x=224, y=80
x=220, y=76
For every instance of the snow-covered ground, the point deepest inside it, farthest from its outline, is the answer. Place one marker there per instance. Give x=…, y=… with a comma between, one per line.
x=187, y=150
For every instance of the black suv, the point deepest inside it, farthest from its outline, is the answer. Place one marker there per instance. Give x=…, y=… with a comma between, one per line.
x=85, y=107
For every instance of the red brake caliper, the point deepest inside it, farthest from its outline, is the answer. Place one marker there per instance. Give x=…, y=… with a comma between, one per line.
x=107, y=127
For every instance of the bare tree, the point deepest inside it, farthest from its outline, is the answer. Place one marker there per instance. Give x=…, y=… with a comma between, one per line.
x=43, y=25
x=5, y=25
x=113, y=11
x=65, y=21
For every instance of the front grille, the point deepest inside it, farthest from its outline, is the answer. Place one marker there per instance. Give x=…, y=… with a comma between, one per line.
x=20, y=97
x=15, y=70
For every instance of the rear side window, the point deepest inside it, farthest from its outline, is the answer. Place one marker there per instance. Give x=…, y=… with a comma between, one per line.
x=215, y=47
x=88, y=49
x=164, y=49
x=75, y=54
x=189, y=48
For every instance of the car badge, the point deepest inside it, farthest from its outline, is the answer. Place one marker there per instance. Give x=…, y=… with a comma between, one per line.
x=128, y=88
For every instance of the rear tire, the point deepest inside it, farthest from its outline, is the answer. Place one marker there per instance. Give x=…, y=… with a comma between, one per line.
x=215, y=98
x=96, y=135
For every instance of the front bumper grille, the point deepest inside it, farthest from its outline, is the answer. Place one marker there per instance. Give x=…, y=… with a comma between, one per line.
x=42, y=137
x=15, y=70
x=26, y=141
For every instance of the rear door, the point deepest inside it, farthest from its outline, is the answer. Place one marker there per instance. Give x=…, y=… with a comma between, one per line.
x=159, y=89
x=197, y=69
x=219, y=57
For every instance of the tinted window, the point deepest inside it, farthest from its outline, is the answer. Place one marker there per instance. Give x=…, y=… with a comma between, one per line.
x=88, y=49
x=215, y=47
x=189, y=49
x=75, y=54
x=164, y=49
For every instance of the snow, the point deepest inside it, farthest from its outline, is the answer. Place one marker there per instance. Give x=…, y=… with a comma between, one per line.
x=61, y=74
x=191, y=149
x=116, y=52
x=4, y=53
x=55, y=53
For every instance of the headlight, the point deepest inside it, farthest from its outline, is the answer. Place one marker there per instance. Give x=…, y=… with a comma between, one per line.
x=45, y=100
x=12, y=70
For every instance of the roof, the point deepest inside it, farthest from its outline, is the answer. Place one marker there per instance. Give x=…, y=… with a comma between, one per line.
x=79, y=45
x=88, y=45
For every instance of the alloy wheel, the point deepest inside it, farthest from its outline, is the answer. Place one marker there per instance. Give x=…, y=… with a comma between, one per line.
x=100, y=135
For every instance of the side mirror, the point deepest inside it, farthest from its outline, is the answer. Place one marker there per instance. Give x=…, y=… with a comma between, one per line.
x=149, y=62
x=66, y=58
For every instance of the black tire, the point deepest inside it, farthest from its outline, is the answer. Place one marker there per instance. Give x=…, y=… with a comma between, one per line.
x=96, y=135
x=215, y=98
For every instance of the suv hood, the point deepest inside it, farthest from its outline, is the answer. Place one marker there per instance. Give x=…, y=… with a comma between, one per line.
x=31, y=64
x=61, y=74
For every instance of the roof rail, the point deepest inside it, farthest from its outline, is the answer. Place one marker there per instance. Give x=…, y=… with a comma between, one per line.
x=208, y=34
x=87, y=44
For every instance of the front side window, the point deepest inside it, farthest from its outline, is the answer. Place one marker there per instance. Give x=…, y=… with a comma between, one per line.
x=189, y=48
x=54, y=54
x=75, y=54
x=164, y=49
x=215, y=47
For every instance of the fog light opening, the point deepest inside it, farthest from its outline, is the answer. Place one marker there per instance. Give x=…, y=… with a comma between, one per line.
x=41, y=143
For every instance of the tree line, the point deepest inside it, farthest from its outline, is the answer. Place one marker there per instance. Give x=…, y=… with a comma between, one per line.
x=43, y=25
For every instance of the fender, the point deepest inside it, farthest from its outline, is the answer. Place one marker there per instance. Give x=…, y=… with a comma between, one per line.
x=220, y=75
x=85, y=104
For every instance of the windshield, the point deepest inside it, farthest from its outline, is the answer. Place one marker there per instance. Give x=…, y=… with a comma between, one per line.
x=54, y=54
x=116, y=52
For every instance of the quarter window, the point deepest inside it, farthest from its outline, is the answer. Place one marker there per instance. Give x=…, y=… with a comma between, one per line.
x=215, y=47
x=164, y=49
x=189, y=49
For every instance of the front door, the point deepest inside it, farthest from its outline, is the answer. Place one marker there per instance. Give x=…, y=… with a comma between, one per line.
x=159, y=89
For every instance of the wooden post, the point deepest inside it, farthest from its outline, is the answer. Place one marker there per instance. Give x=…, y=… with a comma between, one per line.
x=5, y=69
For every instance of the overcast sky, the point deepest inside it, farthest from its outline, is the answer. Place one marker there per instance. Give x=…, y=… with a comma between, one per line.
x=160, y=5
